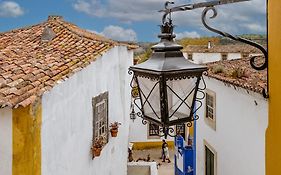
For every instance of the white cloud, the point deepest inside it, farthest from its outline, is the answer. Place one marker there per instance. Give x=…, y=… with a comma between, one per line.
x=187, y=34
x=233, y=18
x=10, y=9
x=255, y=27
x=118, y=33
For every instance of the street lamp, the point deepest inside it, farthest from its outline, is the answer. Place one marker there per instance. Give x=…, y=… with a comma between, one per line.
x=165, y=87
x=168, y=83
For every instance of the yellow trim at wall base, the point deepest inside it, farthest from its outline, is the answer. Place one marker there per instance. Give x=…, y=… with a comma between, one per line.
x=151, y=145
x=27, y=140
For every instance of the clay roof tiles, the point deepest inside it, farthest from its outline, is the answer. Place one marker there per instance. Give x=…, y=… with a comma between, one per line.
x=31, y=64
x=239, y=73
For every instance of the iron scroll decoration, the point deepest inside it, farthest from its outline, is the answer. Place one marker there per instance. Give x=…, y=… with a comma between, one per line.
x=210, y=6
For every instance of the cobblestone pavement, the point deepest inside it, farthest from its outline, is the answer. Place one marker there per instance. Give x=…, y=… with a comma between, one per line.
x=165, y=168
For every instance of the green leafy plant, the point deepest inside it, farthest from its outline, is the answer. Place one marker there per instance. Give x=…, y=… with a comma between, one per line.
x=238, y=73
x=218, y=69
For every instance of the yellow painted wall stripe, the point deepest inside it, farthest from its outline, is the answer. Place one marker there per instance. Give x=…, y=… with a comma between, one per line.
x=273, y=133
x=150, y=145
x=27, y=140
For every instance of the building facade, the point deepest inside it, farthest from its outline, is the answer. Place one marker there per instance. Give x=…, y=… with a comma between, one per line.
x=233, y=121
x=210, y=53
x=61, y=87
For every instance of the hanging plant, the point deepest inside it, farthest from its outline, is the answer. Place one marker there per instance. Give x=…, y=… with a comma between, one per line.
x=114, y=129
x=97, y=146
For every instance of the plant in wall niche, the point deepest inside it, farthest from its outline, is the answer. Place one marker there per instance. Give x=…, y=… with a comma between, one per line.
x=97, y=146
x=114, y=128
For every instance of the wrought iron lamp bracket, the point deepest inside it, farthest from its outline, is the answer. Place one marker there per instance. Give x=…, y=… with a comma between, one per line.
x=210, y=6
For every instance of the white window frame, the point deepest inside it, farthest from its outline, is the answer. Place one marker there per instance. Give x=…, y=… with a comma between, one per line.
x=210, y=121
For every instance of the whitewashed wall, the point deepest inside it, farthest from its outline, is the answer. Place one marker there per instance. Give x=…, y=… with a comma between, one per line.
x=233, y=56
x=139, y=132
x=200, y=58
x=67, y=125
x=6, y=142
x=239, y=138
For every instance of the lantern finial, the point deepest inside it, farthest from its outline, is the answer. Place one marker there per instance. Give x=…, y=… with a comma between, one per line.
x=167, y=26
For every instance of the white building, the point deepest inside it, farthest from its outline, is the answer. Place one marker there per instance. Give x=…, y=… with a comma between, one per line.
x=233, y=121
x=146, y=136
x=61, y=87
x=209, y=53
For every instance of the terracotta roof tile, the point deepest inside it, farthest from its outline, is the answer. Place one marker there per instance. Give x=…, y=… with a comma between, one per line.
x=239, y=73
x=30, y=66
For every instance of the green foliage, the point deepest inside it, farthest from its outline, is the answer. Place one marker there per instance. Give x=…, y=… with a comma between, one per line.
x=237, y=73
x=217, y=69
x=145, y=55
x=199, y=41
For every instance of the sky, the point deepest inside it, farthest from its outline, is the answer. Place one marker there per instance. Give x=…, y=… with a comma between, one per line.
x=134, y=20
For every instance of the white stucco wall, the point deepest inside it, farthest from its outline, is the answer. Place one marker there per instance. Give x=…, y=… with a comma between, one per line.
x=67, y=125
x=239, y=138
x=6, y=142
x=139, y=132
x=200, y=58
x=233, y=56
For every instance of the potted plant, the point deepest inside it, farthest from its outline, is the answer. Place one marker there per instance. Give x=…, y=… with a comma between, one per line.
x=114, y=128
x=97, y=146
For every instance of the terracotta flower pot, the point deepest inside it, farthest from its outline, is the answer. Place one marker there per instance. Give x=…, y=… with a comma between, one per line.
x=97, y=151
x=114, y=132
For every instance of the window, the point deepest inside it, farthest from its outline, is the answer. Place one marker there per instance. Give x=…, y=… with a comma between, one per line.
x=224, y=56
x=189, y=56
x=210, y=160
x=210, y=113
x=180, y=129
x=153, y=131
x=100, y=116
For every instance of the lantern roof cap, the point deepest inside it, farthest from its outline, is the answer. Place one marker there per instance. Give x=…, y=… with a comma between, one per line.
x=167, y=57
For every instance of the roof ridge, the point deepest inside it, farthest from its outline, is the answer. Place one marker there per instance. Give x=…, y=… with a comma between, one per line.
x=84, y=33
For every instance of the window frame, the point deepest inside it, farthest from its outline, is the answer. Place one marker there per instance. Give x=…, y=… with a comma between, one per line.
x=214, y=152
x=210, y=121
x=148, y=131
x=190, y=56
x=224, y=56
x=98, y=100
x=183, y=128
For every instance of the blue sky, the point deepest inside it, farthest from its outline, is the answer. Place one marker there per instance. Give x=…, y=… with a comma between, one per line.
x=132, y=20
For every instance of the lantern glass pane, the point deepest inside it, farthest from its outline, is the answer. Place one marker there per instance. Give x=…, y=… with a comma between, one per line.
x=150, y=97
x=180, y=97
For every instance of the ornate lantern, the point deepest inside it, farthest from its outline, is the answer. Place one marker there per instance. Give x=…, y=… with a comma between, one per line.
x=167, y=83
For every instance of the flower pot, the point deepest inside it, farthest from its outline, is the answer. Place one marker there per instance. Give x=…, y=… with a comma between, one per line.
x=114, y=132
x=97, y=151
